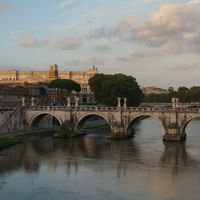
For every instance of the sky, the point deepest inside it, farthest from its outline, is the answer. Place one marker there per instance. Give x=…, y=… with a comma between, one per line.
x=155, y=41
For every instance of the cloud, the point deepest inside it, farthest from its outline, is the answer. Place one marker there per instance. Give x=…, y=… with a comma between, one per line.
x=194, y=2
x=30, y=42
x=185, y=67
x=103, y=47
x=174, y=28
x=92, y=60
x=6, y=5
x=66, y=3
x=120, y=29
x=138, y=55
x=69, y=43
x=33, y=42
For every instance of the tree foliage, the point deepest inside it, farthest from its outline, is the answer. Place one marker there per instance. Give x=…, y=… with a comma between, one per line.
x=66, y=84
x=184, y=94
x=108, y=87
x=43, y=91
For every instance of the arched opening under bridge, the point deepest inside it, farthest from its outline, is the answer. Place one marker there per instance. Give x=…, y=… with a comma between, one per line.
x=192, y=129
x=45, y=121
x=146, y=128
x=93, y=124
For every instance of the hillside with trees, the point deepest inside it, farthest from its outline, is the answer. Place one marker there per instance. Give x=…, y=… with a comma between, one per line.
x=184, y=94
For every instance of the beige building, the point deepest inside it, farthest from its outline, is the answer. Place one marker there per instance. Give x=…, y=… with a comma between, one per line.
x=14, y=77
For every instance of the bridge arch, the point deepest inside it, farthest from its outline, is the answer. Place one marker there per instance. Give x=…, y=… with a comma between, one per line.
x=82, y=120
x=189, y=119
x=139, y=117
x=39, y=115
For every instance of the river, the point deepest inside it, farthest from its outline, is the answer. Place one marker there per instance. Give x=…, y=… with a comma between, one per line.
x=94, y=168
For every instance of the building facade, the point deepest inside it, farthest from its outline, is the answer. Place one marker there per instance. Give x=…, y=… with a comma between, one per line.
x=23, y=78
x=35, y=79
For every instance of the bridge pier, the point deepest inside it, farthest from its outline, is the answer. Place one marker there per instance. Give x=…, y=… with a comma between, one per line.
x=174, y=135
x=173, y=128
x=118, y=132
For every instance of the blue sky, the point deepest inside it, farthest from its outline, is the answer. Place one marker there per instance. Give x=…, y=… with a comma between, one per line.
x=156, y=41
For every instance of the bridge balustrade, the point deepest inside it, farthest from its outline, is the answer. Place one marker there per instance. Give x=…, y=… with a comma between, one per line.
x=103, y=108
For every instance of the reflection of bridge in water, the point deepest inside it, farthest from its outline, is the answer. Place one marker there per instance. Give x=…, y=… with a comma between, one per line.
x=174, y=155
x=48, y=158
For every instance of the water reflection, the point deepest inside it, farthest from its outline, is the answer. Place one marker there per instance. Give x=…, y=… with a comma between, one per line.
x=175, y=154
x=94, y=167
x=88, y=150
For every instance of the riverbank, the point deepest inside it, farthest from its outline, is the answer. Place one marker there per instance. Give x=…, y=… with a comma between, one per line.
x=8, y=141
x=11, y=140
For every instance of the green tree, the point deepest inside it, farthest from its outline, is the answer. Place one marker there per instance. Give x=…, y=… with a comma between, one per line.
x=63, y=87
x=184, y=94
x=183, y=89
x=107, y=88
x=66, y=84
x=194, y=93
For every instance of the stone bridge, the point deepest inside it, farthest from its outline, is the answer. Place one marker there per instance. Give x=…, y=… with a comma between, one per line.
x=120, y=119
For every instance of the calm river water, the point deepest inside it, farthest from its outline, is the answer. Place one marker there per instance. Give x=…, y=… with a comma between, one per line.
x=94, y=168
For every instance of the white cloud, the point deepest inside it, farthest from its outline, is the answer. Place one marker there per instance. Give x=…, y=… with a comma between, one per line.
x=69, y=43
x=171, y=26
x=193, y=2
x=66, y=3
x=6, y=5
x=175, y=28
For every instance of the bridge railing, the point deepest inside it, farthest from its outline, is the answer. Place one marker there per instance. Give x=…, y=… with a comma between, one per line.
x=164, y=109
x=63, y=108
x=104, y=108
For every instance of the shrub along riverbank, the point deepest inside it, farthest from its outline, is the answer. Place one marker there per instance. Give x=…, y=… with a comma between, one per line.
x=17, y=139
